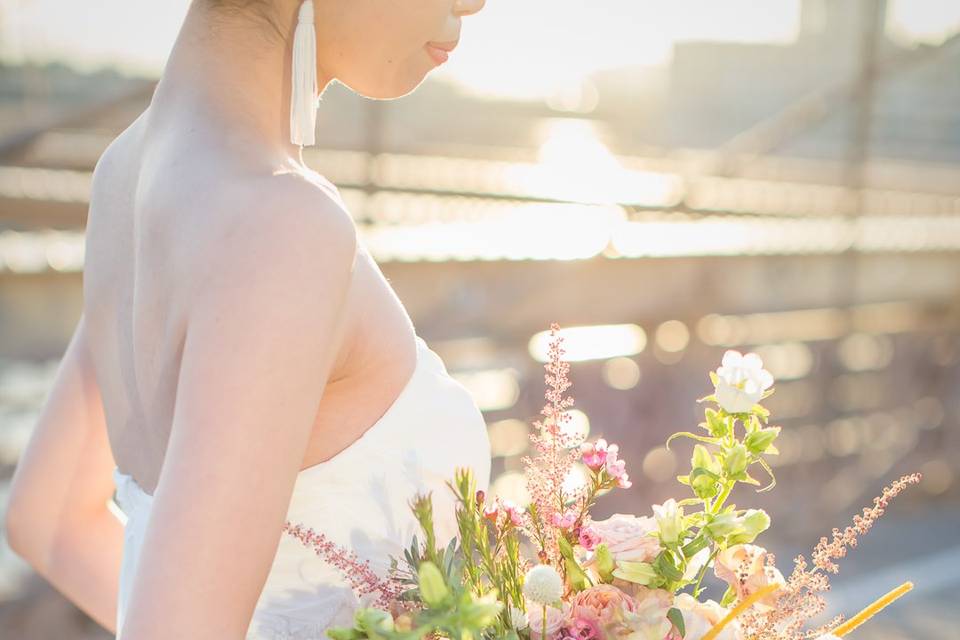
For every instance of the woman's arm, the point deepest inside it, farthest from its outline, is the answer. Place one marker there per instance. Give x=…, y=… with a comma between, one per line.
x=262, y=336
x=57, y=517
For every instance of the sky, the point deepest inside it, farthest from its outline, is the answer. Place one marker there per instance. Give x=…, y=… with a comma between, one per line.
x=516, y=48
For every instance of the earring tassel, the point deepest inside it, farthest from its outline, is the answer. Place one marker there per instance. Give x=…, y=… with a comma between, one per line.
x=303, y=96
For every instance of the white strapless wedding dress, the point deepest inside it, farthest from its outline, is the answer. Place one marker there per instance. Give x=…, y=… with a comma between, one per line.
x=359, y=499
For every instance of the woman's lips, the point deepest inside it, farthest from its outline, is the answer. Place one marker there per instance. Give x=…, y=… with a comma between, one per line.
x=439, y=55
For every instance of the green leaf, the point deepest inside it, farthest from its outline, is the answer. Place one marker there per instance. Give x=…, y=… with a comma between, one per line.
x=729, y=596
x=666, y=567
x=690, y=549
x=723, y=524
x=674, y=616
x=704, y=483
x=641, y=573
x=735, y=461
x=374, y=623
x=687, y=434
x=716, y=425
x=605, y=563
x=578, y=579
x=344, y=633
x=433, y=589
x=758, y=441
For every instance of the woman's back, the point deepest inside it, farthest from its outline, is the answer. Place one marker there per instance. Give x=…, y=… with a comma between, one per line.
x=252, y=363
x=161, y=204
x=157, y=225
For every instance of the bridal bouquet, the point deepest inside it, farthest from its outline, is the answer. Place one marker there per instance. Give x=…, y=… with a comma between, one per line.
x=548, y=571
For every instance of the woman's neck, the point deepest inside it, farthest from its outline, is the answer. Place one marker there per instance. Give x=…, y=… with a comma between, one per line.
x=232, y=72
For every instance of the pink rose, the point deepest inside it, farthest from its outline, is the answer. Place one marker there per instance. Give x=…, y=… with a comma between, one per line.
x=744, y=567
x=602, y=603
x=628, y=537
x=584, y=629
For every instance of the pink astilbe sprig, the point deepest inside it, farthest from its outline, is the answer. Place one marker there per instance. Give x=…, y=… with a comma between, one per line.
x=799, y=599
x=557, y=450
x=825, y=550
x=361, y=576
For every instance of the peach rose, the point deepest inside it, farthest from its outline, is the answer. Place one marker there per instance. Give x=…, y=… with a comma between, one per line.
x=744, y=567
x=627, y=537
x=601, y=603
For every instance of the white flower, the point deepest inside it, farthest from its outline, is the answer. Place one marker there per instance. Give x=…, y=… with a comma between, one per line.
x=518, y=619
x=696, y=563
x=828, y=636
x=555, y=618
x=741, y=381
x=543, y=584
x=700, y=617
x=669, y=519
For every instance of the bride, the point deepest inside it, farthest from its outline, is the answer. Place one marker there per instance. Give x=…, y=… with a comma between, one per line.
x=240, y=361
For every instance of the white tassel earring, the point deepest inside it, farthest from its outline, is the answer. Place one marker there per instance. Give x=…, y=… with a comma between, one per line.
x=303, y=95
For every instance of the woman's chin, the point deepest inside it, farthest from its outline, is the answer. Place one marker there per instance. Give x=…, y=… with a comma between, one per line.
x=397, y=87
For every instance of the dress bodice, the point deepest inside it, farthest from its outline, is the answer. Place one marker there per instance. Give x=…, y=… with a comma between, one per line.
x=358, y=499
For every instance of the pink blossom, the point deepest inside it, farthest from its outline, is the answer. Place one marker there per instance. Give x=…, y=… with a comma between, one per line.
x=589, y=538
x=514, y=513
x=617, y=468
x=594, y=454
x=491, y=512
x=566, y=521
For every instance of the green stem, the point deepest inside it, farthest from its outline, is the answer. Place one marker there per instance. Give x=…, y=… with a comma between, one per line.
x=727, y=487
x=703, y=570
x=543, y=635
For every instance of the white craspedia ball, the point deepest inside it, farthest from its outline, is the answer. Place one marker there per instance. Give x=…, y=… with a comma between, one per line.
x=543, y=584
x=518, y=619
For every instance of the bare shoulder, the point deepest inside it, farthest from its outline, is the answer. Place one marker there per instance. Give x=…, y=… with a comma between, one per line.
x=284, y=225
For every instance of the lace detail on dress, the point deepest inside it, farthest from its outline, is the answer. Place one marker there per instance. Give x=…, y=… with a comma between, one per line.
x=276, y=626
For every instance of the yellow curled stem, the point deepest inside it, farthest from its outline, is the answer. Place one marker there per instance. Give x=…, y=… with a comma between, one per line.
x=745, y=604
x=876, y=607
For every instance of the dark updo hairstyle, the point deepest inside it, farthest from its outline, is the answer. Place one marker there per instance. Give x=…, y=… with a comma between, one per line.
x=262, y=10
